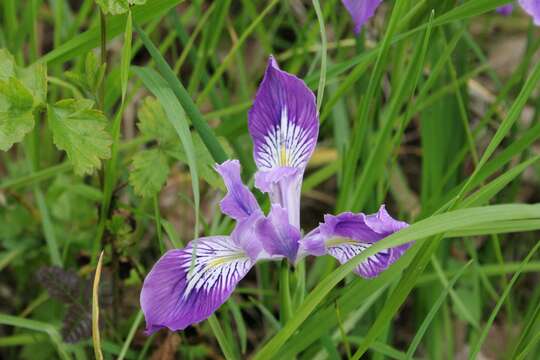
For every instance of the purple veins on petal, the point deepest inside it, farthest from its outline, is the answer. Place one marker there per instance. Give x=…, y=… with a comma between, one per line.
x=239, y=203
x=283, y=122
x=284, y=126
x=532, y=7
x=277, y=235
x=361, y=11
x=505, y=9
x=346, y=235
x=174, y=297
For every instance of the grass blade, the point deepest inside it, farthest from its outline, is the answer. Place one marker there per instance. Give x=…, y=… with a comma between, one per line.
x=197, y=119
x=96, y=340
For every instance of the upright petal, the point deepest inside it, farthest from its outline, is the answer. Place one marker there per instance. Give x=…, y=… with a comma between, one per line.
x=239, y=203
x=284, y=185
x=346, y=235
x=532, y=7
x=175, y=297
x=284, y=125
x=361, y=11
x=505, y=9
x=278, y=237
x=283, y=121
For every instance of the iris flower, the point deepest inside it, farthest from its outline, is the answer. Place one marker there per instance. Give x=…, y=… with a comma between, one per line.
x=531, y=7
x=187, y=285
x=361, y=11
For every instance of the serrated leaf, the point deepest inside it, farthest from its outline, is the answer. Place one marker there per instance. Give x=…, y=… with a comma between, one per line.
x=153, y=122
x=7, y=65
x=149, y=172
x=116, y=7
x=81, y=132
x=16, y=117
x=21, y=91
x=34, y=77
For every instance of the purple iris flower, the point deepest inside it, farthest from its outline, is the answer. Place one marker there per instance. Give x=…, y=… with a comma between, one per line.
x=361, y=11
x=532, y=7
x=505, y=9
x=187, y=285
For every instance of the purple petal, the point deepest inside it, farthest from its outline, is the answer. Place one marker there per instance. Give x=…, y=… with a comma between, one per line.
x=239, y=203
x=278, y=237
x=313, y=243
x=347, y=235
x=532, y=7
x=361, y=11
x=283, y=122
x=343, y=251
x=245, y=236
x=175, y=297
x=350, y=226
x=284, y=186
x=382, y=223
x=505, y=9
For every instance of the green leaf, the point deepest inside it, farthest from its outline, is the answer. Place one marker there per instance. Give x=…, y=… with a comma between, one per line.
x=116, y=7
x=33, y=78
x=153, y=122
x=21, y=91
x=149, y=172
x=80, y=131
x=16, y=117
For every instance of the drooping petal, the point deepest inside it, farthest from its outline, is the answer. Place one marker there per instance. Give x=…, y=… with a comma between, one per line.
x=277, y=235
x=283, y=122
x=505, y=9
x=346, y=235
x=532, y=7
x=350, y=226
x=361, y=11
x=382, y=223
x=284, y=125
x=175, y=297
x=239, y=203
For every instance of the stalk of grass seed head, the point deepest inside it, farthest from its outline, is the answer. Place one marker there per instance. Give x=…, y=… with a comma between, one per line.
x=96, y=340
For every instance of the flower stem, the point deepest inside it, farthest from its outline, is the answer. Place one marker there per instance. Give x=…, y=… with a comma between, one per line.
x=284, y=293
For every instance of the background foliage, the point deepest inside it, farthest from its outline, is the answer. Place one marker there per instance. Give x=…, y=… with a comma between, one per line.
x=113, y=113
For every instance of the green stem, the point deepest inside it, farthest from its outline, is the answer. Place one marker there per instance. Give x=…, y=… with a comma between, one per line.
x=103, y=43
x=285, y=293
x=324, y=45
x=157, y=217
